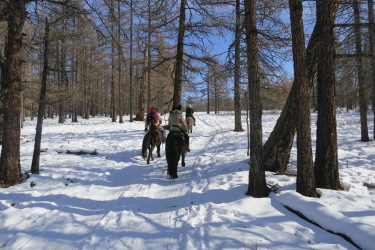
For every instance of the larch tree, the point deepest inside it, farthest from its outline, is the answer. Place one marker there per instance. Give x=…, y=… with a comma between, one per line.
x=257, y=181
x=305, y=171
x=326, y=158
x=370, y=6
x=360, y=72
x=10, y=167
x=237, y=70
x=177, y=98
x=42, y=102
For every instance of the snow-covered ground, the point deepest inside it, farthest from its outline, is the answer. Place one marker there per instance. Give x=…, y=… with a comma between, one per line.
x=114, y=200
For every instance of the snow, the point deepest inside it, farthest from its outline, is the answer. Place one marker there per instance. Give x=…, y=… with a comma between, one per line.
x=114, y=200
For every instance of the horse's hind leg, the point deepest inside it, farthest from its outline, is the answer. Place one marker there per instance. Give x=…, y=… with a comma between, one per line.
x=150, y=157
x=183, y=159
x=152, y=149
x=158, y=150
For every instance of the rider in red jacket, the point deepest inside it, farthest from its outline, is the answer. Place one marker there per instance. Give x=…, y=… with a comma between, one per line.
x=157, y=121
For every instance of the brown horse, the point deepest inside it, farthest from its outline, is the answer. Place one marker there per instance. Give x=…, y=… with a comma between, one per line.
x=152, y=139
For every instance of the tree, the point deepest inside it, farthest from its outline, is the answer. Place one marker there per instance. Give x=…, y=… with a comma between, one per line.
x=113, y=63
x=237, y=71
x=139, y=114
x=326, y=158
x=360, y=72
x=42, y=100
x=257, y=181
x=179, y=55
x=279, y=144
x=10, y=169
x=370, y=7
x=305, y=171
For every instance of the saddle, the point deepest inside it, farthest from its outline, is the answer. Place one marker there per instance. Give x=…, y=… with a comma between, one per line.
x=180, y=133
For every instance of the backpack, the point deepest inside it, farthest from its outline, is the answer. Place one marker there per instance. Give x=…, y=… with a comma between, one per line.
x=151, y=118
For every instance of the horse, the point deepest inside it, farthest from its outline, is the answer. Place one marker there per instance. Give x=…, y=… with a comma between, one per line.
x=152, y=138
x=175, y=147
x=189, y=123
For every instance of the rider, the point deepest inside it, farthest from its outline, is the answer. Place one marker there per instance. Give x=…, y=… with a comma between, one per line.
x=190, y=112
x=177, y=123
x=157, y=121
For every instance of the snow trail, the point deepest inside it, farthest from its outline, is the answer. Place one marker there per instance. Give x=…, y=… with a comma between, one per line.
x=115, y=200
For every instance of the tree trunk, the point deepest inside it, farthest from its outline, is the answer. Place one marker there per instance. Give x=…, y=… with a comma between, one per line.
x=326, y=158
x=42, y=100
x=149, y=58
x=257, y=180
x=276, y=150
x=2, y=86
x=142, y=87
x=179, y=55
x=305, y=171
x=63, y=84
x=131, y=69
x=208, y=97
x=113, y=95
x=10, y=166
x=237, y=74
x=360, y=72
x=371, y=44
x=119, y=64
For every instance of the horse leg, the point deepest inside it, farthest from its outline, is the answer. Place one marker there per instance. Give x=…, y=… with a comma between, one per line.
x=183, y=159
x=150, y=157
x=152, y=149
x=158, y=149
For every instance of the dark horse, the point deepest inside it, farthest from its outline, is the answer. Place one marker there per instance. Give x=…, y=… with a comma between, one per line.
x=175, y=147
x=152, y=138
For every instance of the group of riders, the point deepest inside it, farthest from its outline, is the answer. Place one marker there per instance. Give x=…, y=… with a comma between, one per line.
x=176, y=121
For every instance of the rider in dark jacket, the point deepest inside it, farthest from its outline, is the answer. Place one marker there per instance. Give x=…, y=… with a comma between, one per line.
x=190, y=112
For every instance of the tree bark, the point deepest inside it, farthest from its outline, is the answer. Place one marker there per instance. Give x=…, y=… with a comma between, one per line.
x=305, y=171
x=179, y=56
x=326, y=158
x=42, y=100
x=2, y=85
x=10, y=166
x=257, y=180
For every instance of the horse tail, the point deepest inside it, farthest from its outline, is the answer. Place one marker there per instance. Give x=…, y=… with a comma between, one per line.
x=145, y=145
